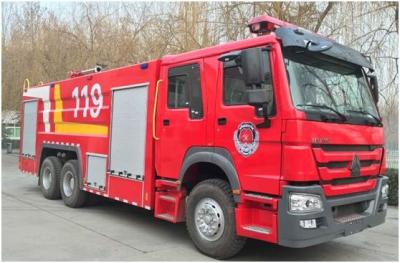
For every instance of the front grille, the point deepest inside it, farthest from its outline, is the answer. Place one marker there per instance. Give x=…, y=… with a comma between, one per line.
x=346, y=148
x=336, y=165
x=336, y=162
x=351, y=180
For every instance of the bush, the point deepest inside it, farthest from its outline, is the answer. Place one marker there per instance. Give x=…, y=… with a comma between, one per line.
x=393, y=175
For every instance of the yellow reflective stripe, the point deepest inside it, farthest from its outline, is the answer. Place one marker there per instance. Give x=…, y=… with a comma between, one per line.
x=73, y=127
x=81, y=128
x=59, y=104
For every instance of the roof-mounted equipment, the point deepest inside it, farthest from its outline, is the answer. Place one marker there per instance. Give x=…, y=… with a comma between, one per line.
x=74, y=74
x=264, y=25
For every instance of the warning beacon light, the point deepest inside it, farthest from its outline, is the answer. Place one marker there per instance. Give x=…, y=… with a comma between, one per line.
x=263, y=25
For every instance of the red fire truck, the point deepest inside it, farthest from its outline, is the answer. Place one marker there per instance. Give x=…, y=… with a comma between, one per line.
x=276, y=138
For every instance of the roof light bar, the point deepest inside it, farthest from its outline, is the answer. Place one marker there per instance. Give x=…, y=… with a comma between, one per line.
x=263, y=25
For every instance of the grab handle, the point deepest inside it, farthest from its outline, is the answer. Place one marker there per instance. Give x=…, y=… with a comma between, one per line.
x=155, y=110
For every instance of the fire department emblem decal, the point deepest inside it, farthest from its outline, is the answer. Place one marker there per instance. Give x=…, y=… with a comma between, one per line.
x=246, y=139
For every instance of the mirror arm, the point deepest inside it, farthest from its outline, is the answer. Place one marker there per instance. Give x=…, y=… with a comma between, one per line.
x=267, y=122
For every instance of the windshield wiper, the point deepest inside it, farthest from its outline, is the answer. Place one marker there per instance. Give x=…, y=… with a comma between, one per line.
x=378, y=121
x=342, y=117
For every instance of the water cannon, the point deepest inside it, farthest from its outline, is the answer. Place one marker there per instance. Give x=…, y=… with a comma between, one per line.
x=74, y=74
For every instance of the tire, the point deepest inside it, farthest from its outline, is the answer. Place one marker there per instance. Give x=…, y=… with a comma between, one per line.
x=49, y=178
x=71, y=193
x=216, y=196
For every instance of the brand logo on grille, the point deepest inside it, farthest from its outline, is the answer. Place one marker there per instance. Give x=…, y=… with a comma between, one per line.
x=318, y=140
x=355, y=166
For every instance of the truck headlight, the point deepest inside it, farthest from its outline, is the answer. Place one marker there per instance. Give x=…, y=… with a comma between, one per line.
x=305, y=203
x=385, y=191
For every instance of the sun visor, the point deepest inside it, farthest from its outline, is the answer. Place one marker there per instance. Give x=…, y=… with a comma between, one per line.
x=315, y=43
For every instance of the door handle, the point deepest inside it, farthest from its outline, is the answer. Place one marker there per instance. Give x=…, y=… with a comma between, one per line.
x=222, y=121
x=165, y=122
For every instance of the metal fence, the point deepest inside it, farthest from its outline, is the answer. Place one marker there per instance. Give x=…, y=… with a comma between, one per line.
x=392, y=159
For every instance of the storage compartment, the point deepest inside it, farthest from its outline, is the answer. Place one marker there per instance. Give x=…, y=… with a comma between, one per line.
x=96, y=171
x=29, y=128
x=128, y=131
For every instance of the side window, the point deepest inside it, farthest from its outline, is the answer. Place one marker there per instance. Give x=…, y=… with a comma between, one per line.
x=234, y=90
x=184, y=90
x=234, y=86
x=178, y=92
x=196, y=101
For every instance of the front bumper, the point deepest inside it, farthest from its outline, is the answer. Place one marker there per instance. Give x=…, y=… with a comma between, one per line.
x=329, y=226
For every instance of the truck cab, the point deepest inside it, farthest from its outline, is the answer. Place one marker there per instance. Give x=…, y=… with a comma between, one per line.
x=290, y=118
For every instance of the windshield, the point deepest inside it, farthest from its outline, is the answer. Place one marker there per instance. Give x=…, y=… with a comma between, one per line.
x=331, y=92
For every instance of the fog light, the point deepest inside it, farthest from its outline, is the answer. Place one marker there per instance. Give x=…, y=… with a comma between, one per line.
x=309, y=223
x=385, y=191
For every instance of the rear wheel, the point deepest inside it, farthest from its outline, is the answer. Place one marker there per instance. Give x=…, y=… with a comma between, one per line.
x=71, y=193
x=49, y=177
x=210, y=219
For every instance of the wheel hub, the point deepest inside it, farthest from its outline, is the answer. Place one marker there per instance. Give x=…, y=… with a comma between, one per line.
x=47, y=177
x=209, y=219
x=68, y=183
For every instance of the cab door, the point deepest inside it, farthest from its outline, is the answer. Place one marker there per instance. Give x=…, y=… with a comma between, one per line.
x=181, y=118
x=255, y=150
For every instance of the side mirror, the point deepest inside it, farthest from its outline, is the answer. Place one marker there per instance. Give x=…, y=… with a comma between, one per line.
x=257, y=97
x=260, y=99
x=253, y=67
x=373, y=83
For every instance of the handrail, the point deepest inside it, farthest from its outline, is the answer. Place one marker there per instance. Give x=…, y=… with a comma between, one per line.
x=24, y=87
x=155, y=110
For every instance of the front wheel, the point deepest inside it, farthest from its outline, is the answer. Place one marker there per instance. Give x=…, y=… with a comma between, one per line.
x=210, y=219
x=71, y=193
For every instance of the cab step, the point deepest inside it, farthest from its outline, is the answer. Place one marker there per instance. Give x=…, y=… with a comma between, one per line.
x=258, y=229
x=270, y=201
x=167, y=217
x=255, y=220
x=169, y=206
